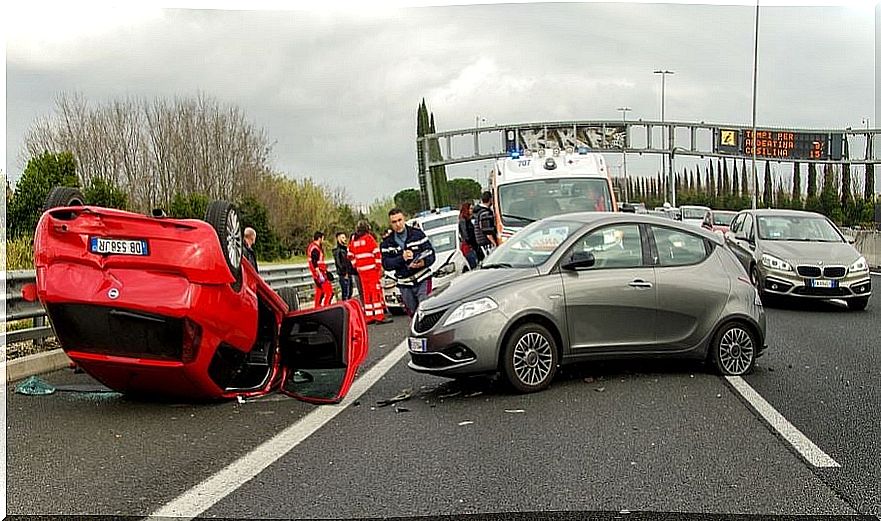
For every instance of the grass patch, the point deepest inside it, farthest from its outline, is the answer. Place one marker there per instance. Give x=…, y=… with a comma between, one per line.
x=20, y=254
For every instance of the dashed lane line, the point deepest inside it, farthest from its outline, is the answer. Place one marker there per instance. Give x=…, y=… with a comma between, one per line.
x=801, y=443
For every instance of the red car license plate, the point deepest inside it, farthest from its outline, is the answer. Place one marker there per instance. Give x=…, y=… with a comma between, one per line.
x=106, y=246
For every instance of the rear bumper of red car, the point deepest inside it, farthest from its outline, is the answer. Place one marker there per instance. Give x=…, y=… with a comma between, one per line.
x=146, y=332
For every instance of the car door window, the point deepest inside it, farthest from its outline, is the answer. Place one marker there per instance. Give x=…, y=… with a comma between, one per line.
x=678, y=248
x=617, y=246
x=746, y=230
x=735, y=224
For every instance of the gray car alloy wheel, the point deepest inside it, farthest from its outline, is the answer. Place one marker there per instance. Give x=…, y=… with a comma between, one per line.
x=530, y=358
x=734, y=351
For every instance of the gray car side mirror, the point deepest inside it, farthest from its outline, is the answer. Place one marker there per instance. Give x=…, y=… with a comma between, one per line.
x=579, y=259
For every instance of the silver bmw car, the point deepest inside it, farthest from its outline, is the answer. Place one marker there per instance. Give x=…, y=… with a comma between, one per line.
x=799, y=254
x=587, y=286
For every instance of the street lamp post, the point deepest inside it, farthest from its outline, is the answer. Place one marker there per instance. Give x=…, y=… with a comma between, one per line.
x=753, y=136
x=669, y=176
x=624, y=111
x=477, y=120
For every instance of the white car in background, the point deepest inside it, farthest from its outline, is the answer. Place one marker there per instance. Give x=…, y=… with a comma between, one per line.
x=693, y=214
x=442, y=229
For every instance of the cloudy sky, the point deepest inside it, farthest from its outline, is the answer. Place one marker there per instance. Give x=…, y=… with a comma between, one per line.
x=336, y=88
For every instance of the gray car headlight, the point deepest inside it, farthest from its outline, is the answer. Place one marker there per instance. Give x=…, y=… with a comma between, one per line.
x=471, y=309
x=774, y=263
x=859, y=266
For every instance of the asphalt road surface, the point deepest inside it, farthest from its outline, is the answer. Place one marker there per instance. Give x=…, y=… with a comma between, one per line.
x=637, y=436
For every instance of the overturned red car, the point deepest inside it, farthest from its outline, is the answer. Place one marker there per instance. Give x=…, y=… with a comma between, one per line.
x=159, y=307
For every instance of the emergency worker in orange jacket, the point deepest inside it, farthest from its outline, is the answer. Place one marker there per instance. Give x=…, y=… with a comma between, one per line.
x=365, y=257
x=318, y=268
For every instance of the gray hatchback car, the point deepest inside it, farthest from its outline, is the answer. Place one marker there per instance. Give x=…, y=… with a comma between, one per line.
x=588, y=286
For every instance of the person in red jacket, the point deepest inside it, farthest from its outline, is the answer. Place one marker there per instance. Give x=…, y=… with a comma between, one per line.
x=365, y=257
x=318, y=268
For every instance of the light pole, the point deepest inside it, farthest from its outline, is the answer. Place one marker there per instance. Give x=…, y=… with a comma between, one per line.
x=624, y=111
x=753, y=136
x=477, y=120
x=664, y=74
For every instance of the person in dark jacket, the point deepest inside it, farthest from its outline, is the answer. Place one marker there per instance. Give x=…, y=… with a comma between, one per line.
x=485, y=224
x=344, y=269
x=250, y=237
x=467, y=240
x=408, y=252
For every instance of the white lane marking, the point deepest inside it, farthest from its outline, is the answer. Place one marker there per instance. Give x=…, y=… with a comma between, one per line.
x=209, y=492
x=809, y=451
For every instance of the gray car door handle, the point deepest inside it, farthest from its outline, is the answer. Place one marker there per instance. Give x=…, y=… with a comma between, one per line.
x=639, y=283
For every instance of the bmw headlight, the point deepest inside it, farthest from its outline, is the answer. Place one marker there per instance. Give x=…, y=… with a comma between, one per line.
x=471, y=309
x=859, y=265
x=774, y=263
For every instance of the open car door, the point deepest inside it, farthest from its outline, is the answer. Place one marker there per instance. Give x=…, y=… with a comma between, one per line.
x=321, y=350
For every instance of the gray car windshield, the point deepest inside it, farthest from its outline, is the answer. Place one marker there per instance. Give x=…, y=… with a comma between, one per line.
x=529, y=201
x=531, y=246
x=797, y=228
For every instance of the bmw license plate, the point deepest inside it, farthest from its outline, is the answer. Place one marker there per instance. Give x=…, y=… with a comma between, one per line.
x=418, y=345
x=107, y=246
x=823, y=283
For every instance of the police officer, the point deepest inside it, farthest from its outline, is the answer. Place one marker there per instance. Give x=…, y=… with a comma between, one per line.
x=408, y=252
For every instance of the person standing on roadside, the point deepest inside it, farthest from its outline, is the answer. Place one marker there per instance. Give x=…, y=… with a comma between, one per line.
x=408, y=252
x=467, y=240
x=365, y=257
x=344, y=268
x=485, y=224
x=250, y=237
x=318, y=268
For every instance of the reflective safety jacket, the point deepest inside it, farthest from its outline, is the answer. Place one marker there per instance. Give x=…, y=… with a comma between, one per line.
x=316, y=260
x=393, y=256
x=364, y=254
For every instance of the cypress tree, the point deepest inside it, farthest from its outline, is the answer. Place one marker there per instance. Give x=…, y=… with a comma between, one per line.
x=767, y=195
x=846, y=188
x=438, y=173
x=812, y=180
x=796, y=184
x=697, y=180
x=719, y=184
x=711, y=181
x=829, y=202
x=735, y=184
x=726, y=180
x=869, y=183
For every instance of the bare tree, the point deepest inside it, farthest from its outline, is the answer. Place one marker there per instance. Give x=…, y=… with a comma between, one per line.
x=156, y=149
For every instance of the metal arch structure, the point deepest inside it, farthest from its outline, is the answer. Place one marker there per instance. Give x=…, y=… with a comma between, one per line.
x=639, y=137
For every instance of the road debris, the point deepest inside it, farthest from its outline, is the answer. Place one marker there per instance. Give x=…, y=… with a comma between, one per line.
x=589, y=380
x=34, y=386
x=466, y=422
x=600, y=389
x=514, y=411
x=401, y=409
x=472, y=395
x=404, y=395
